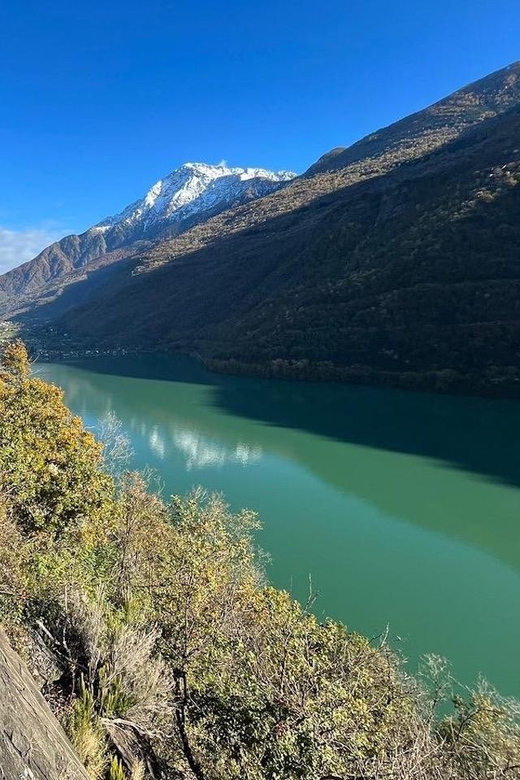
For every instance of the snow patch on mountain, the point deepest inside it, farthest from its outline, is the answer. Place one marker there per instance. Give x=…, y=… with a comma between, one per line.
x=192, y=189
x=189, y=195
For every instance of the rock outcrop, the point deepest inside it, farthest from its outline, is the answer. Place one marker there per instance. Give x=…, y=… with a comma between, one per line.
x=33, y=746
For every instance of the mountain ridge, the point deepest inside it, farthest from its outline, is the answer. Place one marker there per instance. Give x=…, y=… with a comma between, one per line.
x=400, y=267
x=189, y=193
x=481, y=99
x=180, y=193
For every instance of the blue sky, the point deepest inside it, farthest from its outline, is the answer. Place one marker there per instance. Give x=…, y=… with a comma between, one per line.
x=100, y=99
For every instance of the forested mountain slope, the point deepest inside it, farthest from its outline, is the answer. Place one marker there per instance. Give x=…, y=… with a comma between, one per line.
x=401, y=267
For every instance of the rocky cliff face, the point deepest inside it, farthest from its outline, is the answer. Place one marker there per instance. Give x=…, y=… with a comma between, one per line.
x=33, y=746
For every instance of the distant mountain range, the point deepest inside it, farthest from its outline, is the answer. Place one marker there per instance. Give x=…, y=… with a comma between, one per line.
x=396, y=260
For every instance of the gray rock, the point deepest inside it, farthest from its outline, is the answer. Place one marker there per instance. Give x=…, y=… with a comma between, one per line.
x=33, y=746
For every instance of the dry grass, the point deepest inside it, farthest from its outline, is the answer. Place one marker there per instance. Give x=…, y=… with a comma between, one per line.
x=87, y=735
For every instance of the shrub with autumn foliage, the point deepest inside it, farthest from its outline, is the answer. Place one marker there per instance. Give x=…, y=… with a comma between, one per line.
x=50, y=467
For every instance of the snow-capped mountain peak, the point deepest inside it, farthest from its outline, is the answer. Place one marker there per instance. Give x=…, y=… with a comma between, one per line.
x=195, y=189
x=189, y=195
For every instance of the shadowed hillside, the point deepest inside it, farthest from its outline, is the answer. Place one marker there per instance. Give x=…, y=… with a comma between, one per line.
x=401, y=267
x=410, y=278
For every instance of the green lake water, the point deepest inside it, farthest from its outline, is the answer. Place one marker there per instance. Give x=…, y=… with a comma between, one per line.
x=403, y=509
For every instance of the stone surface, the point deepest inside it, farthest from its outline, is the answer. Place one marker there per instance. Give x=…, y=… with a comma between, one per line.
x=33, y=746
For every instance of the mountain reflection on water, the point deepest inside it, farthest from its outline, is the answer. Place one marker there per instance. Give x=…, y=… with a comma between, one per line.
x=199, y=452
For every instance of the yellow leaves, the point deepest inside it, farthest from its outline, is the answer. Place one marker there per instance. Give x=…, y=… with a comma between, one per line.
x=48, y=462
x=15, y=360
